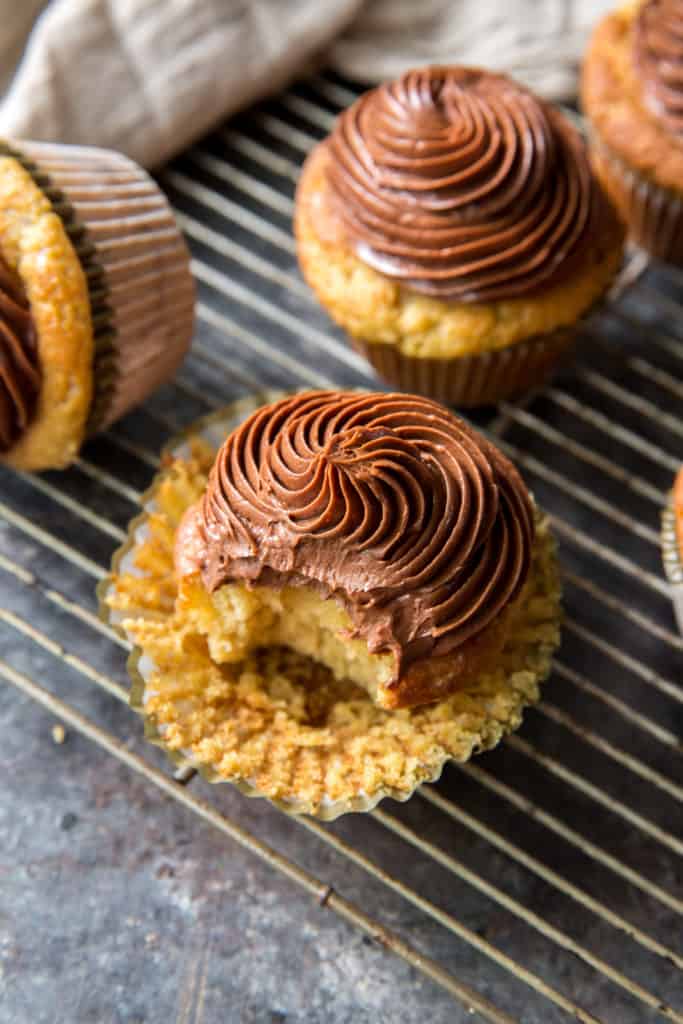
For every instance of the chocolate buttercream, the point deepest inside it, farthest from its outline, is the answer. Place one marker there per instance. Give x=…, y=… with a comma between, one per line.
x=19, y=368
x=658, y=53
x=463, y=185
x=387, y=502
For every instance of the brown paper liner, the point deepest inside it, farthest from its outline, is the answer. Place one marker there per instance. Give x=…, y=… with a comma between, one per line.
x=671, y=559
x=137, y=265
x=653, y=214
x=468, y=381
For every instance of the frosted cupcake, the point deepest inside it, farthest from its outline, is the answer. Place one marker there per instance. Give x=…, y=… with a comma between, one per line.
x=354, y=590
x=632, y=93
x=452, y=225
x=96, y=296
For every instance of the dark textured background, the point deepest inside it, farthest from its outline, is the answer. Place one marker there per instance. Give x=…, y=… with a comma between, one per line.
x=117, y=904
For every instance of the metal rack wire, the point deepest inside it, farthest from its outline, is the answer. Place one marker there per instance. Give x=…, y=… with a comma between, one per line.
x=570, y=833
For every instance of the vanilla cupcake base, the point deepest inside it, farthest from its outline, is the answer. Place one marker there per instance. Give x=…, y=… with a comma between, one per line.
x=277, y=724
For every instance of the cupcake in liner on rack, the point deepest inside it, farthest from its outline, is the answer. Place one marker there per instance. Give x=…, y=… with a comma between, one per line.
x=332, y=601
x=672, y=545
x=452, y=225
x=632, y=95
x=96, y=296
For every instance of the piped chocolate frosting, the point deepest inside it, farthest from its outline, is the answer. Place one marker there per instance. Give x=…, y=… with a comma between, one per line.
x=387, y=502
x=658, y=52
x=19, y=368
x=463, y=185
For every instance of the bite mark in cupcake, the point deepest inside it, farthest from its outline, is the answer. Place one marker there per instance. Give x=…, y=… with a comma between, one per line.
x=383, y=514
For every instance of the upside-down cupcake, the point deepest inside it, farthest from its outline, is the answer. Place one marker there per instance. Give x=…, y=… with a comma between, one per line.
x=356, y=589
x=452, y=225
x=632, y=94
x=672, y=545
x=96, y=296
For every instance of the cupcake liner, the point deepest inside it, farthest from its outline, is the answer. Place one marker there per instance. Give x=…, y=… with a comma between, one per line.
x=671, y=559
x=494, y=711
x=475, y=380
x=104, y=358
x=489, y=377
x=136, y=263
x=654, y=214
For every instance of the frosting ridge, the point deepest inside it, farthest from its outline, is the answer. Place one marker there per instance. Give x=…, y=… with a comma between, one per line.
x=19, y=370
x=463, y=185
x=387, y=502
x=658, y=52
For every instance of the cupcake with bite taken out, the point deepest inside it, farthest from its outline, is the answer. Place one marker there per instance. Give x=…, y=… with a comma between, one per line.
x=452, y=225
x=354, y=589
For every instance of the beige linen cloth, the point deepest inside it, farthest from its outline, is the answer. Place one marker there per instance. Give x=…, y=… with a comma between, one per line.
x=147, y=77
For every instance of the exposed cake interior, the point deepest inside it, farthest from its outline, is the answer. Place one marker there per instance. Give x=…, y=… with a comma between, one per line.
x=239, y=620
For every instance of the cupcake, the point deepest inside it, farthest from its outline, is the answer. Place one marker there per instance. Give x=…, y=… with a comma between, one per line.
x=452, y=225
x=355, y=589
x=632, y=94
x=96, y=296
x=672, y=545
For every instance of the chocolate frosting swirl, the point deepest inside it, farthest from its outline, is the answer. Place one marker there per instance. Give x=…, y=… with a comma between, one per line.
x=658, y=51
x=388, y=502
x=463, y=185
x=19, y=369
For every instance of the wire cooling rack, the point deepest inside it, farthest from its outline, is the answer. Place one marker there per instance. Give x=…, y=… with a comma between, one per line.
x=548, y=867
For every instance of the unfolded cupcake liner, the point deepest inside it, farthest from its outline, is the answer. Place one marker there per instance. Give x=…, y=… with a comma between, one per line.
x=653, y=214
x=473, y=380
x=671, y=559
x=521, y=691
x=136, y=264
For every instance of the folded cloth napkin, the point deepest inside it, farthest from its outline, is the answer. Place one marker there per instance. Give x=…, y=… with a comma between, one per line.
x=147, y=77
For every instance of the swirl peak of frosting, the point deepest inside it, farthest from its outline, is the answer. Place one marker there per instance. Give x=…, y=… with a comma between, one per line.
x=658, y=51
x=19, y=371
x=387, y=502
x=462, y=184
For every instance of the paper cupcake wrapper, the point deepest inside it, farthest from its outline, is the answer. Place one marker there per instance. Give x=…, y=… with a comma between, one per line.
x=213, y=429
x=475, y=380
x=136, y=263
x=104, y=359
x=671, y=559
x=490, y=377
x=654, y=214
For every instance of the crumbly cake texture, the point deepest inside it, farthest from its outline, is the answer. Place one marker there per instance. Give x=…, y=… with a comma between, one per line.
x=611, y=98
x=376, y=309
x=237, y=620
x=278, y=724
x=34, y=243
